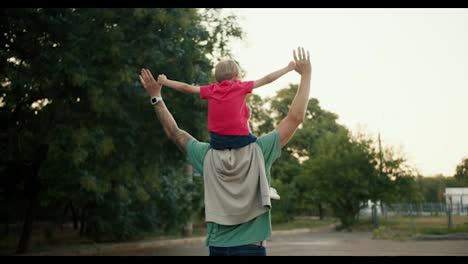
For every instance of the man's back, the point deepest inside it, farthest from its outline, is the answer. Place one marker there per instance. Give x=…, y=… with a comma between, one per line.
x=252, y=231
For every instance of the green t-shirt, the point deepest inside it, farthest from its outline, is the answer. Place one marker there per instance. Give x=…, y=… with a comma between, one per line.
x=255, y=230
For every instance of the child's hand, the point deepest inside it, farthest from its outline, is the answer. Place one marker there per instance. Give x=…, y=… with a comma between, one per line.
x=162, y=78
x=291, y=65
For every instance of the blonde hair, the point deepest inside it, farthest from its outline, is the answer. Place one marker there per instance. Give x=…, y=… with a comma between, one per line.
x=226, y=70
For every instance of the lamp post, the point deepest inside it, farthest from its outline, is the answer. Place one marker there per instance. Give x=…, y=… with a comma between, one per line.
x=449, y=212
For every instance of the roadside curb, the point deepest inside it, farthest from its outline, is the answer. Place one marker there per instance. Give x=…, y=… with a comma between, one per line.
x=454, y=236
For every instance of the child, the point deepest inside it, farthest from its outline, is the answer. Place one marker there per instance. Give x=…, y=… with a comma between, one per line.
x=227, y=110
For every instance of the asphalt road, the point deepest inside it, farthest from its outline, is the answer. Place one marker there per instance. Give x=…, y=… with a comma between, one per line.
x=327, y=243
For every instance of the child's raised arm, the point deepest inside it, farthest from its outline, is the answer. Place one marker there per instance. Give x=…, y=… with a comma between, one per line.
x=274, y=75
x=179, y=86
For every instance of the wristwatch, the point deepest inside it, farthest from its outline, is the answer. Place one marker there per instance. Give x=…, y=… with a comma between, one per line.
x=155, y=99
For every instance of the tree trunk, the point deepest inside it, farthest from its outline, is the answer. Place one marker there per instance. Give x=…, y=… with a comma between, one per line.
x=11, y=188
x=7, y=213
x=321, y=213
x=74, y=215
x=32, y=188
x=32, y=192
x=82, y=222
x=375, y=220
x=383, y=210
x=64, y=215
x=7, y=223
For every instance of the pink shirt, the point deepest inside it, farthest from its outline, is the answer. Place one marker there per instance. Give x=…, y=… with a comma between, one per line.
x=227, y=111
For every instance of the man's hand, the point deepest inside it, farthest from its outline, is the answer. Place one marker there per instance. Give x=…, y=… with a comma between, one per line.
x=303, y=63
x=288, y=126
x=152, y=87
x=161, y=79
x=173, y=132
x=291, y=65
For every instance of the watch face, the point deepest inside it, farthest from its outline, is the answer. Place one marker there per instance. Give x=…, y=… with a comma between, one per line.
x=153, y=100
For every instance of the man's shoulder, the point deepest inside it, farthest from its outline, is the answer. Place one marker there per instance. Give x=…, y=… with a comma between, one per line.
x=269, y=138
x=196, y=152
x=198, y=146
x=273, y=133
x=270, y=145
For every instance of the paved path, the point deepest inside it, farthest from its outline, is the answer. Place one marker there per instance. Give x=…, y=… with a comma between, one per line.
x=324, y=243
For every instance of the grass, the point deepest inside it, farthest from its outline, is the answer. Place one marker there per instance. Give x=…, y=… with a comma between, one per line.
x=402, y=228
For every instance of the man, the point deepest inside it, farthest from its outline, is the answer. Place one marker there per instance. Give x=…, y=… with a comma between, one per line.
x=245, y=238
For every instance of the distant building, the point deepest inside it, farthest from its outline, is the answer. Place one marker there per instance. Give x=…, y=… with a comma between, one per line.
x=457, y=199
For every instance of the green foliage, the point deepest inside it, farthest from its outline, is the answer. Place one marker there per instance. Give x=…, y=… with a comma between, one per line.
x=432, y=189
x=407, y=189
x=339, y=174
x=69, y=86
x=260, y=120
x=324, y=169
x=285, y=209
x=394, y=181
x=70, y=82
x=461, y=173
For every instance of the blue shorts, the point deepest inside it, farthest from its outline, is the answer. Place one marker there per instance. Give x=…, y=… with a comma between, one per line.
x=221, y=142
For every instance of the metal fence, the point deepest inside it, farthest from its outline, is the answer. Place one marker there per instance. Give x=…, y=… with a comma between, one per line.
x=423, y=215
x=422, y=209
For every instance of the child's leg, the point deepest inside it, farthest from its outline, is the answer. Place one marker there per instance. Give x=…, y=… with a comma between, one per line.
x=221, y=142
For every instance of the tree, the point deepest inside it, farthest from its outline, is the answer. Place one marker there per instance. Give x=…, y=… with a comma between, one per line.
x=260, y=120
x=394, y=180
x=461, y=173
x=432, y=188
x=78, y=128
x=339, y=175
x=407, y=190
x=321, y=154
x=318, y=122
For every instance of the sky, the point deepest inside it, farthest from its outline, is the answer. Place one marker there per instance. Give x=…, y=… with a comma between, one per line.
x=403, y=72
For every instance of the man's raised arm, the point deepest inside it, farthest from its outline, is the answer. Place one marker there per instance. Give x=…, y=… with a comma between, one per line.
x=287, y=127
x=173, y=132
